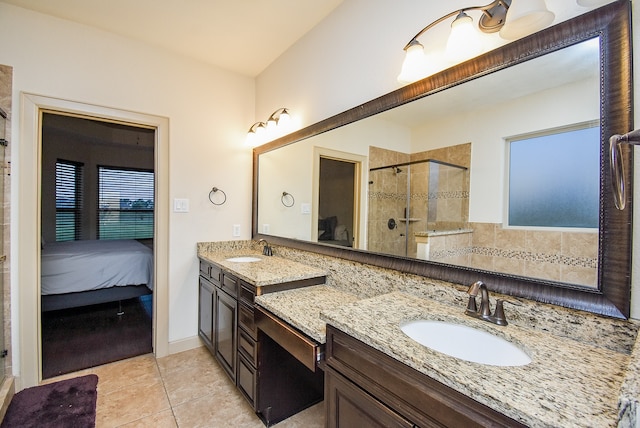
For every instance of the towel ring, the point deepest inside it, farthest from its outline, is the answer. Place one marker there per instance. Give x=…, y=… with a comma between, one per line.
x=284, y=196
x=215, y=190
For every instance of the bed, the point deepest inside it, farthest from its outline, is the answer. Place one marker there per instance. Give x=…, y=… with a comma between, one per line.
x=330, y=231
x=87, y=272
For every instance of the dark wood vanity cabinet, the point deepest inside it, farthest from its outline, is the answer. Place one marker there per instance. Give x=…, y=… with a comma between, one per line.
x=365, y=387
x=218, y=315
x=272, y=380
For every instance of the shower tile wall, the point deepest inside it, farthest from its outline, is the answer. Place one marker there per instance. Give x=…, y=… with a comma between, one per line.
x=387, y=199
x=569, y=257
x=388, y=194
x=557, y=256
x=6, y=79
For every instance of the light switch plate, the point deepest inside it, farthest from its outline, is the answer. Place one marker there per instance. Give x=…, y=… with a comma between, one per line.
x=305, y=208
x=266, y=228
x=181, y=205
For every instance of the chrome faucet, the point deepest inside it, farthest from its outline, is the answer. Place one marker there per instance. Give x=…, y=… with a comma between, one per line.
x=484, y=312
x=266, y=250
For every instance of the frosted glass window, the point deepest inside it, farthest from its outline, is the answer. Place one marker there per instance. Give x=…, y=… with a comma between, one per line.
x=554, y=180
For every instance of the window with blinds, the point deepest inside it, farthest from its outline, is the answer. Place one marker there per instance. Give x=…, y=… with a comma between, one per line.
x=68, y=200
x=125, y=203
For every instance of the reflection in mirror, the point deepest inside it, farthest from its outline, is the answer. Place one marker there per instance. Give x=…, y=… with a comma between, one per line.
x=438, y=167
x=537, y=86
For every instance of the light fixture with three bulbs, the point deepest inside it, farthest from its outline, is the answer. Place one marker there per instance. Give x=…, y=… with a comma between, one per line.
x=512, y=19
x=276, y=126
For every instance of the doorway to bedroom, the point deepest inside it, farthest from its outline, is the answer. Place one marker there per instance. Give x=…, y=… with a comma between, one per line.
x=97, y=247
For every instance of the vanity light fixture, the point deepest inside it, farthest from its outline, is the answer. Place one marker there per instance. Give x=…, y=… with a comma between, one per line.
x=261, y=132
x=511, y=18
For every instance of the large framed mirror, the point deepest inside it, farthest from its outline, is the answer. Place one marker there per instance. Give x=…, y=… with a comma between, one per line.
x=435, y=169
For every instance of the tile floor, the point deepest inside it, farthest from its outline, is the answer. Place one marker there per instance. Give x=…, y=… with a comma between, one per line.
x=185, y=390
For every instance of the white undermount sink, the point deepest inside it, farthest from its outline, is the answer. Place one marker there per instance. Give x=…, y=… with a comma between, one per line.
x=466, y=343
x=244, y=259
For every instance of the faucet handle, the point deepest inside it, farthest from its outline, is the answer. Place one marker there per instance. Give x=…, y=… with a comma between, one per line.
x=498, y=315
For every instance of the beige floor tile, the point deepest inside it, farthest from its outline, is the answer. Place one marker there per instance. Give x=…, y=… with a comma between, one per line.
x=194, y=382
x=130, y=403
x=186, y=390
x=163, y=419
x=220, y=410
x=199, y=357
x=120, y=374
x=313, y=417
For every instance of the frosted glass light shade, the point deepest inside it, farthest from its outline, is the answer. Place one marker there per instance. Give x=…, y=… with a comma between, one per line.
x=284, y=119
x=464, y=41
x=525, y=17
x=414, y=64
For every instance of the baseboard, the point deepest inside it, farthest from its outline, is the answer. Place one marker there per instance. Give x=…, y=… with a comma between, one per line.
x=184, y=344
x=7, y=391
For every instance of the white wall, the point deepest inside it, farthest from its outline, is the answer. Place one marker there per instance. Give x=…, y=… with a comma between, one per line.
x=354, y=55
x=208, y=111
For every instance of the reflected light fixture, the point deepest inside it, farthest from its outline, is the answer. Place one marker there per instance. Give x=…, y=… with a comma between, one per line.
x=261, y=132
x=511, y=18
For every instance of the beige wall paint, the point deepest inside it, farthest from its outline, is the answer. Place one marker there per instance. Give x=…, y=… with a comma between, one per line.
x=208, y=110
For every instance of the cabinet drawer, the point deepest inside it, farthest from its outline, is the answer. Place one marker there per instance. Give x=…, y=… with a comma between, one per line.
x=248, y=347
x=211, y=272
x=297, y=344
x=230, y=285
x=246, y=379
x=205, y=269
x=247, y=293
x=246, y=320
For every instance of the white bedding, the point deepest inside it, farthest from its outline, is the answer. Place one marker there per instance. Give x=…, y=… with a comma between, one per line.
x=74, y=266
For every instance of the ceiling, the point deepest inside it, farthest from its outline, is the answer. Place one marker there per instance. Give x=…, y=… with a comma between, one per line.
x=242, y=36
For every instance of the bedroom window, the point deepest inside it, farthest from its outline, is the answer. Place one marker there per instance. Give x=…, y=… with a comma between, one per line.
x=551, y=179
x=126, y=203
x=68, y=200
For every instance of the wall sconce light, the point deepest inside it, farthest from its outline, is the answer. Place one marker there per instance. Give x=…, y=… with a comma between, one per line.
x=511, y=18
x=276, y=125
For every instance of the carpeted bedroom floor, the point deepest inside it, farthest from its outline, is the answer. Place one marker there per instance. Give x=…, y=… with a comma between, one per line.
x=79, y=338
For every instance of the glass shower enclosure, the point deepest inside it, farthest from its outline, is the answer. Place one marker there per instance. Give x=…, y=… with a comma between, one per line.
x=410, y=199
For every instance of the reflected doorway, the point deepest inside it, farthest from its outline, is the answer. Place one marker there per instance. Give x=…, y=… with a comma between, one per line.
x=338, y=199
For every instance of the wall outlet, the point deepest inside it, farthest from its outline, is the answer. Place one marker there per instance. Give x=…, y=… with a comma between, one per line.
x=236, y=230
x=181, y=205
x=266, y=228
x=305, y=208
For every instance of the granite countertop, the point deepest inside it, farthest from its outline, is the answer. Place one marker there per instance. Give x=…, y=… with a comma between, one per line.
x=567, y=384
x=269, y=270
x=301, y=307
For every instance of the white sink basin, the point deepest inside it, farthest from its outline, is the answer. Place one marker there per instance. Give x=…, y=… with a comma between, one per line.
x=466, y=343
x=244, y=259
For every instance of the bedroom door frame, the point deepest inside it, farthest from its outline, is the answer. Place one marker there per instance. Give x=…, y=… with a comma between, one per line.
x=359, y=198
x=32, y=105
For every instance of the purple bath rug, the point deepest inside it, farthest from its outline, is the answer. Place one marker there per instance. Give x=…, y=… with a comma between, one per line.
x=67, y=403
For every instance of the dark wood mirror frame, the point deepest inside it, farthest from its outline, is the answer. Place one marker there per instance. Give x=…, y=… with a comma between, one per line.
x=612, y=23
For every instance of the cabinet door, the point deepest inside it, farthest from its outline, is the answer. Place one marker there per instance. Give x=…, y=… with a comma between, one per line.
x=205, y=311
x=349, y=406
x=225, y=331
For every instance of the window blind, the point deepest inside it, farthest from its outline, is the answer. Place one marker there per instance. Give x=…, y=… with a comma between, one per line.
x=125, y=203
x=68, y=200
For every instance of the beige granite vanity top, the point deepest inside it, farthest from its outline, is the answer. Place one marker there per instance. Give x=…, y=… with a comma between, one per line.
x=301, y=307
x=269, y=270
x=568, y=383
